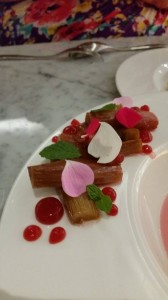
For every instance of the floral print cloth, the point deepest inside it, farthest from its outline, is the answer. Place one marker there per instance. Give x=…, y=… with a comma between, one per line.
x=36, y=21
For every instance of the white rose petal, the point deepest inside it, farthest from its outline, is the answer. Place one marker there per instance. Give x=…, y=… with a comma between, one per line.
x=106, y=144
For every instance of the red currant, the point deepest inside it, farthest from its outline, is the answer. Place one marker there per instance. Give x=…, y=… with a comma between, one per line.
x=108, y=191
x=146, y=136
x=113, y=211
x=120, y=158
x=75, y=122
x=145, y=107
x=147, y=149
x=70, y=129
x=55, y=139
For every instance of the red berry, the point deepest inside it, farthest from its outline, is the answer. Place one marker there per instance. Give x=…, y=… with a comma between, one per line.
x=120, y=158
x=75, y=122
x=145, y=107
x=57, y=235
x=147, y=149
x=146, y=136
x=113, y=211
x=55, y=139
x=70, y=129
x=108, y=191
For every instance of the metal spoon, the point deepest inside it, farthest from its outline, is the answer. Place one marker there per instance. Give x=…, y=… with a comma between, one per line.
x=90, y=48
x=86, y=49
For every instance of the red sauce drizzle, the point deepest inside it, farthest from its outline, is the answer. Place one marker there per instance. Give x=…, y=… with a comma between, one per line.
x=49, y=210
x=57, y=235
x=32, y=233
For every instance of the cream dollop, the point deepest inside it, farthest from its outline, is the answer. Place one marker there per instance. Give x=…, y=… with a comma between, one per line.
x=106, y=144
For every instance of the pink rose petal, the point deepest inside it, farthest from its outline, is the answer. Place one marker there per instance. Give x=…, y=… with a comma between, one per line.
x=124, y=101
x=128, y=117
x=75, y=177
x=93, y=126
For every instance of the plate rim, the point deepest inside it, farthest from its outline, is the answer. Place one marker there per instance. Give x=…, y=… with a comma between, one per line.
x=128, y=61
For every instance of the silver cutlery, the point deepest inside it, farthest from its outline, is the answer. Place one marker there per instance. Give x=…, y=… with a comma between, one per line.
x=99, y=47
x=86, y=49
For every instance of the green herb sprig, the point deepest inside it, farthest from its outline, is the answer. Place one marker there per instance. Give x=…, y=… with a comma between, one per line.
x=102, y=201
x=60, y=150
x=106, y=107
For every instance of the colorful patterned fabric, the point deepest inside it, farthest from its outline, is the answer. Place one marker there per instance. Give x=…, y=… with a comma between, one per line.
x=36, y=21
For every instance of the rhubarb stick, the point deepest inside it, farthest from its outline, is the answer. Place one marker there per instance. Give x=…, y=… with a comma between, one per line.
x=149, y=120
x=131, y=147
x=128, y=134
x=49, y=174
x=80, y=209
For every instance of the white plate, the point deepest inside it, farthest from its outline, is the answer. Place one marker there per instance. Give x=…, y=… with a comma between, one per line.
x=118, y=257
x=145, y=72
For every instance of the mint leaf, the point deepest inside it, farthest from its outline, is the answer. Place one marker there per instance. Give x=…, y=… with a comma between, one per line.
x=104, y=204
x=110, y=106
x=60, y=150
x=102, y=201
x=94, y=192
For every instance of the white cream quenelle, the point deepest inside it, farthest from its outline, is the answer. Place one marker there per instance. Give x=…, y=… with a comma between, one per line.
x=106, y=144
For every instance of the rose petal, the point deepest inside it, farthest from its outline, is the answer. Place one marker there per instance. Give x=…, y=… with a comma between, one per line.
x=106, y=144
x=124, y=101
x=75, y=177
x=93, y=126
x=128, y=117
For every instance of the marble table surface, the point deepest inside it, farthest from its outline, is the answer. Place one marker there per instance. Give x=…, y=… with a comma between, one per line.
x=36, y=97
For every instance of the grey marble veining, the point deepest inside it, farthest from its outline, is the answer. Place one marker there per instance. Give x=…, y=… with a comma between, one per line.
x=37, y=97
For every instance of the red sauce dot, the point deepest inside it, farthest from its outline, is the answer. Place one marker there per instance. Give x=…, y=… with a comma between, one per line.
x=145, y=107
x=147, y=149
x=146, y=136
x=32, y=233
x=113, y=211
x=70, y=129
x=49, y=210
x=57, y=235
x=108, y=191
x=55, y=139
x=75, y=122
